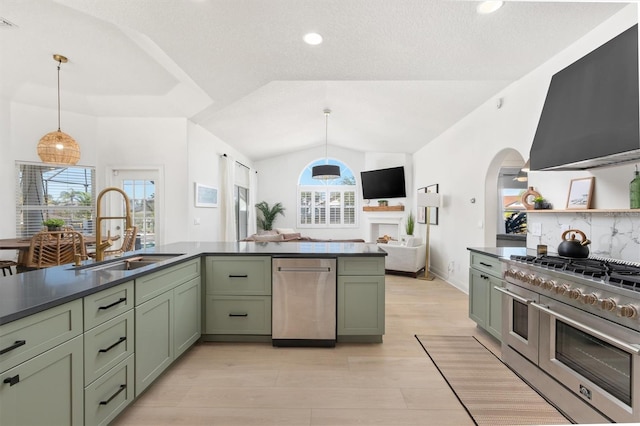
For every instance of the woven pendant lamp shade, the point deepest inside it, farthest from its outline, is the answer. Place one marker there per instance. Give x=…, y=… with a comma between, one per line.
x=59, y=148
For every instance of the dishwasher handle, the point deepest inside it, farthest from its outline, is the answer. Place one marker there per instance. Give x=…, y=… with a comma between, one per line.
x=304, y=269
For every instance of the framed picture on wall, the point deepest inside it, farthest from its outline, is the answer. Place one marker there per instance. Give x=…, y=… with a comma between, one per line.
x=580, y=193
x=206, y=196
x=422, y=211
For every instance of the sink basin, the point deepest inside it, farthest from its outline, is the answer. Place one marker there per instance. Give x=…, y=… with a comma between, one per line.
x=129, y=263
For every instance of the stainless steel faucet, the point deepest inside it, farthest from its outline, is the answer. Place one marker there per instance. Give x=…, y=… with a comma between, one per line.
x=102, y=246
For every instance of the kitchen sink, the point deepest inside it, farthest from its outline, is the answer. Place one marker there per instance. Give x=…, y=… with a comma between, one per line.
x=129, y=263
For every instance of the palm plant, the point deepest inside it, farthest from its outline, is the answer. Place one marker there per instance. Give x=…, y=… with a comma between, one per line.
x=268, y=214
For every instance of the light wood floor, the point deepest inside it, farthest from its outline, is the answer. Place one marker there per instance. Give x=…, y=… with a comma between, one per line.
x=392, y=383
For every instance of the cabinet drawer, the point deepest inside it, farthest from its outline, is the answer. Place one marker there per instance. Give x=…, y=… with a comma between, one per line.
x=373, y=265
x=488, y=264
x=105, y=398
x=107, y=344
x=239, y=275
x=107, y=304
x=238, y=315
x=31, y=336
x=154, y=284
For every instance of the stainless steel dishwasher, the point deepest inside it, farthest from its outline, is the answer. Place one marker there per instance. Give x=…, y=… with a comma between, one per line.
x=304, y=302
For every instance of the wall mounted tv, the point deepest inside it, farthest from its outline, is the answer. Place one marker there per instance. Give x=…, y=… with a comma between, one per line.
x=383, y=183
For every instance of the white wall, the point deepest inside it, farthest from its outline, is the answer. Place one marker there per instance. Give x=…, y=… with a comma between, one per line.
x=204, y=167
x=461, y=158
x=278, y=178
x=183, y=151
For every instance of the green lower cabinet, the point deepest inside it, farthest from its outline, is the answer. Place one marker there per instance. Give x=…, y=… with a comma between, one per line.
x=187, y=315
x=485, y=303
x=45, y=390
x=105, y=398
x=154, y=339
x=478, y=297
x=238, y=315
x=361, y=305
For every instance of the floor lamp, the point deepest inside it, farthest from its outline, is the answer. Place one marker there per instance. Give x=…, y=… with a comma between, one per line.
x=428, y=200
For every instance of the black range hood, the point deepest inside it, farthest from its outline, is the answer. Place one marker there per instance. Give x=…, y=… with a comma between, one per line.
x=591, y=115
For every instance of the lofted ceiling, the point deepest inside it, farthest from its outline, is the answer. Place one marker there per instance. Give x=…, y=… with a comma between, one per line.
x=395, y=73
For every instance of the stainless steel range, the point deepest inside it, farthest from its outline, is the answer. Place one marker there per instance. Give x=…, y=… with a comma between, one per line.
x=571, y=328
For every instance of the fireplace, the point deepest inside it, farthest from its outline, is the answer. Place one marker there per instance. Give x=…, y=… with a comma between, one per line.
x=379, y=226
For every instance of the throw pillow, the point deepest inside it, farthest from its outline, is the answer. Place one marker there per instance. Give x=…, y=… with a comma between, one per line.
x=285, y=230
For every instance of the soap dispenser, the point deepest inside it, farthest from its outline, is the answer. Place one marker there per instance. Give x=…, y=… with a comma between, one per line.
x=634, y=191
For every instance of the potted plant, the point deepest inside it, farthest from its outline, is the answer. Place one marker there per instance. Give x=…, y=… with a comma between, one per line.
x=268, y=214
x=539, y=203
x=53, y=224
x=410, y=225
x=383, y=203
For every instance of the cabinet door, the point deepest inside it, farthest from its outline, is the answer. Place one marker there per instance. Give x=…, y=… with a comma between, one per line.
x=478, y=297
x=154, y=339
x=105, y=398
x=187, y=315
x=46, y=390
x=494, y=319
x=360, y=305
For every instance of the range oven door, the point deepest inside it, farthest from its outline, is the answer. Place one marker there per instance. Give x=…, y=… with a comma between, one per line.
x=594, y=358
x=519, y=321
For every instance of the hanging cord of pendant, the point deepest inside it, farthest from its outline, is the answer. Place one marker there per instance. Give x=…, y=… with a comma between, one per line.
x=59, y=63
x=326, y=135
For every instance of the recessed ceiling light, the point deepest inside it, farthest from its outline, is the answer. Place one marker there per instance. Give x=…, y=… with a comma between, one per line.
x=486, y=7
x=312, y=39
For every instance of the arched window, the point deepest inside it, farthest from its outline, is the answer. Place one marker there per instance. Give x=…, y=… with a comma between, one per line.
x=327, y=203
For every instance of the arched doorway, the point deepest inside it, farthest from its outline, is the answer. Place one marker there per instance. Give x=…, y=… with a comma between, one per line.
x=502, y=168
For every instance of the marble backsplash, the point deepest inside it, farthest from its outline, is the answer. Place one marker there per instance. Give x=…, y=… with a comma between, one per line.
x=614, y=235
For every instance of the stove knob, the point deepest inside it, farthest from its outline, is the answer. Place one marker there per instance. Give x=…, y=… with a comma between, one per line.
x=608, y=304
x=529, y=278
x=628, y=311
x=548, y=285
x=590, y=299
x=538, y=281
x=576, y=294
x=561, y=289
x=520, y=275
x=512, y=272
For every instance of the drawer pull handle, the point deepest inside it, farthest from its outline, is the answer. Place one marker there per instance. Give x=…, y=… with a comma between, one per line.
x=12, y=380
x=239, y=276
x=122, y=387
x=15, y=345
x=122, y=339
x=122, y=299
x=486, y=264
x=238, y=315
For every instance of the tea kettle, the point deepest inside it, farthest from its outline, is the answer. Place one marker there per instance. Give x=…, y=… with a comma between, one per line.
x=570, y=247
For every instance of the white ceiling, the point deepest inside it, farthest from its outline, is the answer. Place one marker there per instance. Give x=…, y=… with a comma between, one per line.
x=395, y=73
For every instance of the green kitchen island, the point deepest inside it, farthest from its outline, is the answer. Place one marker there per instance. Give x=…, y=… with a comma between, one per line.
x=82, y=343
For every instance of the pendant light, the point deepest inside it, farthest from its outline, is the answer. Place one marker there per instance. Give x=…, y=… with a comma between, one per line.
x=58, y=147
x=326, y=171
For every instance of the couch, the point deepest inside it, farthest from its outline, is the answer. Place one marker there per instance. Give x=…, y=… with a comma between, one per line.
x=405, y=257
x=280, y=235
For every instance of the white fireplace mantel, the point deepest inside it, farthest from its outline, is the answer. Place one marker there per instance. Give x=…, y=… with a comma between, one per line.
x=389, y=224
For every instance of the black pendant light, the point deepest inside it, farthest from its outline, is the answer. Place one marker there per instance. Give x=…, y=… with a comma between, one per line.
x=326, y=171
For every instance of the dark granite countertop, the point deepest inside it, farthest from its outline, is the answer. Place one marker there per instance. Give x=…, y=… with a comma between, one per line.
x=503, y=252
x=27, y=293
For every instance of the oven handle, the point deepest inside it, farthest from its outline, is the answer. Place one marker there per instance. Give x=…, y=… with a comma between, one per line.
x=628, y=347
x=513, y=295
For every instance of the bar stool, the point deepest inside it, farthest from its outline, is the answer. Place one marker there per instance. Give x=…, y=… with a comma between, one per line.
x=6, y=265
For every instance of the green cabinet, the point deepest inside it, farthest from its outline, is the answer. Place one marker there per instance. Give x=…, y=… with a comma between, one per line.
x=361, y=299
x=485, y=303
x=238, y=297
x=187, y=316
x=45, y=390
x=42, y=361
x=167, y=322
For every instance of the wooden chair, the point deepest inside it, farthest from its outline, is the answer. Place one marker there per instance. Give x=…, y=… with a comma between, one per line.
x=6, y=265
x=128, y=243
x=55, y=248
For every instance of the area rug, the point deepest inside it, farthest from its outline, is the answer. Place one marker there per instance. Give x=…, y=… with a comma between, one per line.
x=491, y=393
